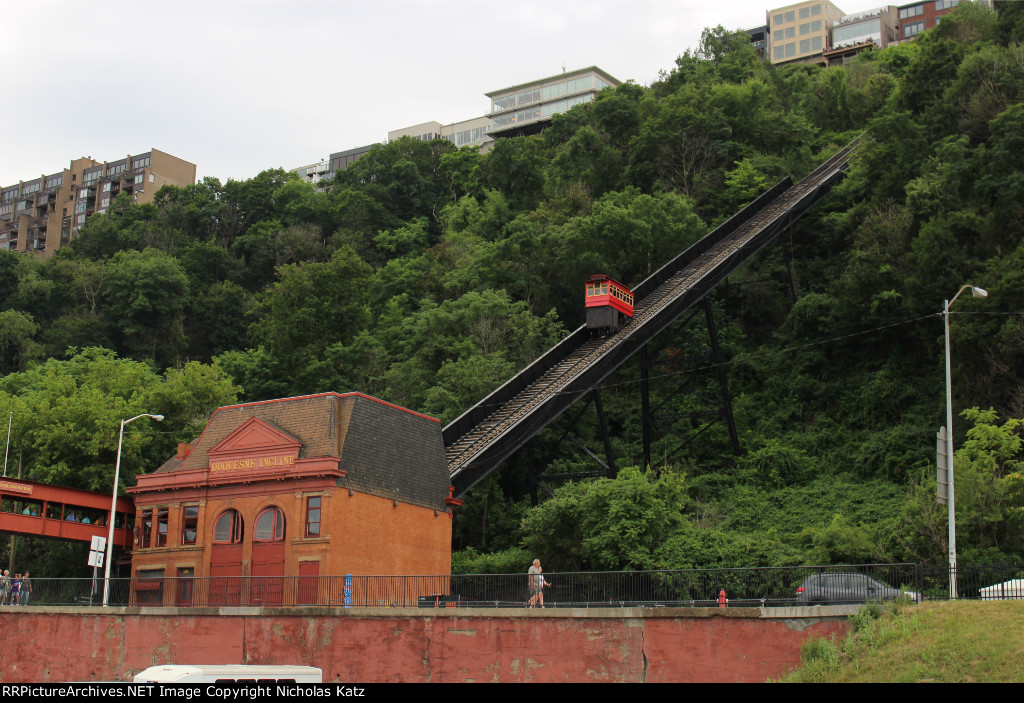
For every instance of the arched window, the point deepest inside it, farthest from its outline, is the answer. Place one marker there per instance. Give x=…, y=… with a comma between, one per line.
x=228, y=529
x=269, y=526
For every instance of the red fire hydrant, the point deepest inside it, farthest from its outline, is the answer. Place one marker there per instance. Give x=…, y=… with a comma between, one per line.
x=722, y=600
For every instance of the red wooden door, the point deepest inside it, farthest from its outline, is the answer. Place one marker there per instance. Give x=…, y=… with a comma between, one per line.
x=309, y=579
x=267, y=573
x=226, y=574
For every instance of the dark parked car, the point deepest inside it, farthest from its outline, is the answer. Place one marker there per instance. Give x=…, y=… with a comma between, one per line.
x=827, y=589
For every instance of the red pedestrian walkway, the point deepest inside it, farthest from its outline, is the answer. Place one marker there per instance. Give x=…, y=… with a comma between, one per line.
x=41, y=510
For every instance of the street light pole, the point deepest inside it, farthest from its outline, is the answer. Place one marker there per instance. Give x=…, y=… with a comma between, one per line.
x=10, y=420
x=113, y=506
x=950, y=499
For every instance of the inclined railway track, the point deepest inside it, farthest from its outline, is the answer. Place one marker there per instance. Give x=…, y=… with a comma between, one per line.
x=650, y=314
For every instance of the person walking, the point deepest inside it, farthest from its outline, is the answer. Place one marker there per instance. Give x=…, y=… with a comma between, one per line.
x=26, y=588
x=5, y=587
x=15, y=589
x=535, y=576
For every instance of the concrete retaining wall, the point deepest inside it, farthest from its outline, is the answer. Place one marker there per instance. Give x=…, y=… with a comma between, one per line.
x=397, y=645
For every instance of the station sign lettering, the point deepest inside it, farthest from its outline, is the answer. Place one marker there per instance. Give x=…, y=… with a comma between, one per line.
x=265, y=462
x=10, y=487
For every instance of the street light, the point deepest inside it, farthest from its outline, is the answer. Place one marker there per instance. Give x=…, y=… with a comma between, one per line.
x=113, y=506
x=951, y=503
x=8, y=448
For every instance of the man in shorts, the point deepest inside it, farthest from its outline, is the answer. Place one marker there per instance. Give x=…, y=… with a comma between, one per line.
x=536, y=578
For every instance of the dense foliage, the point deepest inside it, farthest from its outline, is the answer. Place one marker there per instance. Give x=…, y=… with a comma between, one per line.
x=426, y=275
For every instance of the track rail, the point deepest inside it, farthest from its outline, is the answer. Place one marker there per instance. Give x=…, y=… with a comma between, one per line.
x=498, y=425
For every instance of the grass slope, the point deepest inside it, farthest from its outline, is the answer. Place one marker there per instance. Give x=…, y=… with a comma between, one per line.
x=955, y=642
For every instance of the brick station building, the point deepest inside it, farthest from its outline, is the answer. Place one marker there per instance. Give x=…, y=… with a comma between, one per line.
x=320, y=485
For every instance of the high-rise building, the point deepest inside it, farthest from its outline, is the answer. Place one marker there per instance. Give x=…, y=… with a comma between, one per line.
x=43, y=214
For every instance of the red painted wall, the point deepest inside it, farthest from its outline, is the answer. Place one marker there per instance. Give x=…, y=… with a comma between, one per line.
x=371, y=646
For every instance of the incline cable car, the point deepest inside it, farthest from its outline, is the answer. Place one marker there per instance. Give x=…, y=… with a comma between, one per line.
x=609, y=303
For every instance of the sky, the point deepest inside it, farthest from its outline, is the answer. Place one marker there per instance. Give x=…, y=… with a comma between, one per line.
x=240, y=86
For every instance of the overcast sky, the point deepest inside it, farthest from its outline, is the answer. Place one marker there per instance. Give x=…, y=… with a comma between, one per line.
x=238, y=86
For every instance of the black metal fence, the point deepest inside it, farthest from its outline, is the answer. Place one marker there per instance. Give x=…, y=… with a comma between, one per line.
x=749, y=587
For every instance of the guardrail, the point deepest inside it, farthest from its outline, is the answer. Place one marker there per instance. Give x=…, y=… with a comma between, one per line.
x=745, y=587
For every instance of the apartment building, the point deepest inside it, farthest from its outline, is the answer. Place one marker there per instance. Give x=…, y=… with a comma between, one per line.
x=43, y=214
x=340, y=160
x=322, y=172
x=527, y=108
x=877, y=26
x=313, y=173
x=802, y=31
x=759, y=40
x=856, y=32
x=520, y=109
x=916, y=17
x=472, y=132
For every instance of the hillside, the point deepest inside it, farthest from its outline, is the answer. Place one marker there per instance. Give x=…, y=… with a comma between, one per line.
x=426, y=275
x=952, y=642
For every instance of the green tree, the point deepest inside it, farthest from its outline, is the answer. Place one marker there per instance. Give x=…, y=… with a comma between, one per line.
x=447, y=356
x=742, y=185
x=516, y=167
x=17, y=346
x=989, y=470
x=311, y=307
x=9, y=262
x=402, y=176
x=607, y=524
x=145, y=294
x=67, y=414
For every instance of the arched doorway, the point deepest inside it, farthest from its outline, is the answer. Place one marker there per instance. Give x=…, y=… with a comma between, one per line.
x=226, y=559
x=268, y=557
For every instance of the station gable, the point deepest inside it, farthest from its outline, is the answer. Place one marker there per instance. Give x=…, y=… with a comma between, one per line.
x=256, y=446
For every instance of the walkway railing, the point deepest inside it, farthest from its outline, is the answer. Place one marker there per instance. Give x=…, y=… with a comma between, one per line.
x=748, y=587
